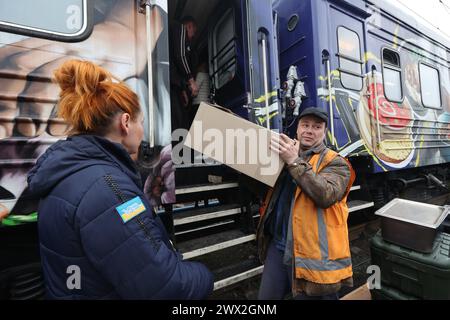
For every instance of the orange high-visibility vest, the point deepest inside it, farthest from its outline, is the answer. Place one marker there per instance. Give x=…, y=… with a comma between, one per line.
x=320, y=236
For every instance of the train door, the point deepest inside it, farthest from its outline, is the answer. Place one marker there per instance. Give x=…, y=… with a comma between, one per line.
x=243, y=55
x=346, y=41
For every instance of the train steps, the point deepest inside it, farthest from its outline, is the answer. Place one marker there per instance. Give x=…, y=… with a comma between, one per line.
x=209, y=231
x=209, y=226
x=358, y=200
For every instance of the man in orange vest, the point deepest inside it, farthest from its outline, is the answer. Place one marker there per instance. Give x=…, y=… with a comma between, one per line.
x=303, y=235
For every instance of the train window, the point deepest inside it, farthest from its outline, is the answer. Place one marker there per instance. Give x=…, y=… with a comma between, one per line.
x=350, y=64
x=70, y=20
x=392, y=76
x=430, y=86
x=223, y=50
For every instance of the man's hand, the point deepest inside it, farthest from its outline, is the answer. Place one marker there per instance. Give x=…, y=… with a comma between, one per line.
x=184, y=98
x=287, y=148
x=193, y=87
x=3, y=212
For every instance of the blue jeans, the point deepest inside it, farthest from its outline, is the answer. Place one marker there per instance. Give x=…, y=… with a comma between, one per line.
x=276, y=280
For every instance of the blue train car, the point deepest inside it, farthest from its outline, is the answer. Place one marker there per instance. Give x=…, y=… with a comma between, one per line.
x=382, y=76
x=384, y=79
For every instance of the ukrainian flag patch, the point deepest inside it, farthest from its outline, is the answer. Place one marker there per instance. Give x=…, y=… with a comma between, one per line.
x=131, y=209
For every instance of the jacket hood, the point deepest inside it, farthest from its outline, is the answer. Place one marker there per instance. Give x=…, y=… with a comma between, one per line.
x=67, y=157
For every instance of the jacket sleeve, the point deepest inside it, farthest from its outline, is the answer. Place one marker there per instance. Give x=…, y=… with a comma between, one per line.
x=327, y=187
x=179, y=49
x=136, y=257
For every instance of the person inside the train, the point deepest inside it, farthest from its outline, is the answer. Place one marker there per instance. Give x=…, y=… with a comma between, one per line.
x=183, y=86
x=203, y=82
x=99, y=236
x=303, y=236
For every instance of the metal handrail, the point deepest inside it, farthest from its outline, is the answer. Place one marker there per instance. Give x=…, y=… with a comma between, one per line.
x=149, y=4
x=330, y=103
x=225, y=65
x=344, y=56
x=223, y=48
x=266, y=80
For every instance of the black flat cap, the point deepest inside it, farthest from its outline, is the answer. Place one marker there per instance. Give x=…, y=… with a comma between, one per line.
x=314, y=112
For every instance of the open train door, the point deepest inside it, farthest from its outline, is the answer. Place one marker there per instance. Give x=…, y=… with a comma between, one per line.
x=243, y=54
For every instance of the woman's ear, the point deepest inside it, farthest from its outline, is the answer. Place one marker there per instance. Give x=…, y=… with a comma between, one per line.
x=125, y=119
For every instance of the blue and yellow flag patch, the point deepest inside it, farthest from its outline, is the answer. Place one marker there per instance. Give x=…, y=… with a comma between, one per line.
x=131, y=209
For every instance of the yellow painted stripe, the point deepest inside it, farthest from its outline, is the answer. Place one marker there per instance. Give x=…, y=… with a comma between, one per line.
x=334, y=73
x=263, y=119
x=264, y=97
x=397, y=29
x=375, y=158
x=370, y=56
x=418, y=151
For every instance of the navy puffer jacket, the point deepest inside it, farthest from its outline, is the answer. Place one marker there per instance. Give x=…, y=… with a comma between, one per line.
x=81, y=182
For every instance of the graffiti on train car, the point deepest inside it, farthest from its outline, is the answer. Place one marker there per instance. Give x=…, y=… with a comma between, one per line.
x=28, y=98
x=396, y=135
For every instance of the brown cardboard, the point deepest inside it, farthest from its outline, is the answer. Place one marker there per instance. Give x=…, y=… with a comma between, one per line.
x=245, y=146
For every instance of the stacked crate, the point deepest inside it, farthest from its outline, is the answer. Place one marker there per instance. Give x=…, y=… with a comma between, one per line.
x=408, y=274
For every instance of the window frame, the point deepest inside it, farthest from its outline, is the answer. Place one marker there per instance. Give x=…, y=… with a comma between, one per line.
x=214, y=68
x=81, y=35
x=392, y=67
x=351, y=59
x=421, y=62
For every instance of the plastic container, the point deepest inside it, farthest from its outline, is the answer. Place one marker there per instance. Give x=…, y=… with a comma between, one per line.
x=411, y=224
x=414, y=274
x=387, y=293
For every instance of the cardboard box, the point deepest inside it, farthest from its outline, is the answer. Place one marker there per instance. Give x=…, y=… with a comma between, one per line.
x=235, y=142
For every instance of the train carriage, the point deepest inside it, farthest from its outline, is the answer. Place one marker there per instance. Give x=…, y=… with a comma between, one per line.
x=381, y=74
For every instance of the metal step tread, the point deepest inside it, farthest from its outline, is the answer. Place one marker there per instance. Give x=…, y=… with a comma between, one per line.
x=236, y=267
x=218, y=241
x=209, y=226
x=356, y=205
x=206, y=187
x=197, y=165
x=206, y=213
x=203, y=228
x=238, y=277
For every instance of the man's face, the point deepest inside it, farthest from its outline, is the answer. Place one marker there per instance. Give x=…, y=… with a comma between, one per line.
x=310, y=132
x=191, y=29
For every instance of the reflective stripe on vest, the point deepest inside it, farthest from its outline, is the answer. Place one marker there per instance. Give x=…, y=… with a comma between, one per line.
x=323, y=265
x=323, y=238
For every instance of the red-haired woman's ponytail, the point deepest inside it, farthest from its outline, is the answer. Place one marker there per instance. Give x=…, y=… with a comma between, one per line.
x=90, y=97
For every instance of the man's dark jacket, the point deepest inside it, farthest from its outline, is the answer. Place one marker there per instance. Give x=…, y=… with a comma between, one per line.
x=182, y=56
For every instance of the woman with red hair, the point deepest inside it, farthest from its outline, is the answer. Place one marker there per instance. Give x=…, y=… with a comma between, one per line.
x=99, y=237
